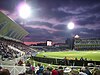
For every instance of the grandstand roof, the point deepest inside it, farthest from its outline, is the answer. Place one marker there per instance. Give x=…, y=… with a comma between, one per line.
x=10, y=29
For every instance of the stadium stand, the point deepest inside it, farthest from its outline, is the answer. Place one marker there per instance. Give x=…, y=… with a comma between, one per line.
x=87, y=44
x=11, y=34
x=49, y=48
x=11, y=49
x=11, y=45
x=6, y=52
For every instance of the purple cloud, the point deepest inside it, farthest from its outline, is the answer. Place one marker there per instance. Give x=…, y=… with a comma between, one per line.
x=50, y=18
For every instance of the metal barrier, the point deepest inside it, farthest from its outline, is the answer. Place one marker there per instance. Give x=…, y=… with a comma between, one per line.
x=15, y=70
x=65, y=62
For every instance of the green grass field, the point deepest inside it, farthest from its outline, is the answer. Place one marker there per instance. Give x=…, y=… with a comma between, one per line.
x=94, y=55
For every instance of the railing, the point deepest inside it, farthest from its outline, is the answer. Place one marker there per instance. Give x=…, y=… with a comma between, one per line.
x=10, y=65
x=15, y=70
x=65, y=62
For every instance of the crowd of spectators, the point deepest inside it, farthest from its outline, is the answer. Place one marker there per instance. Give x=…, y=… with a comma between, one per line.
x=6, y=52
x=64, y=70
x=87, y=44
x=50, y=48
x=54, y=49
x=55, y=70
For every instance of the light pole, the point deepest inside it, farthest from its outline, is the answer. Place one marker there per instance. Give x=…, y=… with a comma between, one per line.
x=70, y=26
x=24, y=10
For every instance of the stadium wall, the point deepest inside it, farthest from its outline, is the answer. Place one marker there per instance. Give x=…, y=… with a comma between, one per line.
x=65, y=61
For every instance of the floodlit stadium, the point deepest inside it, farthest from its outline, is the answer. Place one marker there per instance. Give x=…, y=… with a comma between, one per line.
x=15, y=52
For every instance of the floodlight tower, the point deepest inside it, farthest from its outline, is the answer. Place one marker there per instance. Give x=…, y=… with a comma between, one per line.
x=24, y=10
x=70, y=27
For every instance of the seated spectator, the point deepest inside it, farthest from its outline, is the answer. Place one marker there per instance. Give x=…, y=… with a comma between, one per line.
x=55, y=71
x=20, y=63
x=47, y=72
x=4, y=72
x=67, y=70
x=50, y=68
x=28, y=64
x=82, y=71
x=33, y=69
x=40, y=71
x=60, y=70
x=74, y=72
x=0, y=67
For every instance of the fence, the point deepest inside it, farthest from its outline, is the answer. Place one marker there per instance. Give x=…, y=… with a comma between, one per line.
x=15, y=70
x=65, y=62
x=10, y=65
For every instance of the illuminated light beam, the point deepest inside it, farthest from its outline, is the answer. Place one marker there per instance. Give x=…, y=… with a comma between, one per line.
x=24, y=10
x=70, y=25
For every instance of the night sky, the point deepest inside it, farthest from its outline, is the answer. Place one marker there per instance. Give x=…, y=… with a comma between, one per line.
x=49, y=18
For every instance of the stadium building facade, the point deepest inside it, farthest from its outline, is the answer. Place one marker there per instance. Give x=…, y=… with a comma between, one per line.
x=9, y=29
x=70, y=43
x=87, y=44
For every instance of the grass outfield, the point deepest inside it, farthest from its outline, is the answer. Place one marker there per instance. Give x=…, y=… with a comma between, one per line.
x=94, y=55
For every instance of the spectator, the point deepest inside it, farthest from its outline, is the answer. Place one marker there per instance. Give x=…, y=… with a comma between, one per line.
x=74, y=72
x=20, y=63
x=60, y=70
x=55, y=72
x=82, y=71
x=4, y=72
x=81, y=59
x=28, y=64
x=47, y=72
x=65, y=60
x=67, y=71
x=40, y=71
x=0, y=67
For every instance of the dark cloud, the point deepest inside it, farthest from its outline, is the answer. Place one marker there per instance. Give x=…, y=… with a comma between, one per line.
x=9, y=5
x=89, y=20
x=50, y=17
x=60, y=27
x=37, y=34
x=39, y=23
x=85, y=32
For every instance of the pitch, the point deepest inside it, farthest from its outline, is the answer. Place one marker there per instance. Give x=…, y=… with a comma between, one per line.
x=90, y=55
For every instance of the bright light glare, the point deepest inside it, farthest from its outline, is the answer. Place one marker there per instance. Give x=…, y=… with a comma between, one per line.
x=70, y=25
x=77, y=36
x=24, y=11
